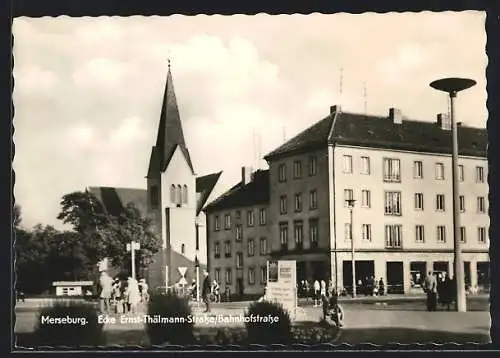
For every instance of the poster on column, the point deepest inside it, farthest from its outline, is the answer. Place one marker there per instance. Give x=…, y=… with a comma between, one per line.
x=282, y=284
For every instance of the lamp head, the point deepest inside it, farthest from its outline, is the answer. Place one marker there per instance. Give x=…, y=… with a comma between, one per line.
x=452, y=85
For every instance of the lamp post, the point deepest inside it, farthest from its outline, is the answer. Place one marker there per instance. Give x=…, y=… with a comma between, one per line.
x=452, y=86
x=350, y=205
x=132, y=247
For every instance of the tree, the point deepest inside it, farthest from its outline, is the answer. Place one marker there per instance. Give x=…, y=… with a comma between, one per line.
x=82, y=210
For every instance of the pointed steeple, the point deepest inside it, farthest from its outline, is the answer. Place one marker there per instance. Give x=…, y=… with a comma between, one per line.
x=170, y=134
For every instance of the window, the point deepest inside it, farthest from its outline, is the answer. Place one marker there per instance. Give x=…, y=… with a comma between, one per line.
x=239, y=232
x=217, y=274
x=347, y=231
x=298, y=234
x=461, y=201
x=392, y=203
x=282, y=173
x=217, y=223
x=179, y=195
x=439, y=171
x=418, y=169
x=393, y=236
x=392, y=170
x=283, y=204
x=463, y=236
x=365, y=198
x=481, y=206
x=251, y=276
x=172, y=194
x=312, y=165
x=419, y=233
x=238, y=214
x=347, y=164
x=365, y=165
x=440, y=204
x=479, y=175
x=251, y=247
x=227, y=249
x=262, y=217
x=185, y=194
x=419, y=201
x=284, y=236
x=313, y=200
x=441, y=234
x=154, y=196
x=250, y=218
x=313, y=233
x=298, y=202
x=229, y=276
x=366, y=230
x=461, y=173
x=263, y=246
x=227, y=221
x=217, y=249
x=297, y=169
x=263, y=274
x=348, y=195
x=239, y=260
x=481, y=235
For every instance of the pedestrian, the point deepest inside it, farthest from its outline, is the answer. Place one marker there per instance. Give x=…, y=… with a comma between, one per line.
x=206, y=290
x=430, y=289
x=307, y=290
x=333, y=310
x=106, y=283
x=143, y=288
x=323, y=289
x=381, y=287
x=117, y=296
x=317, y=291
x=133, y=294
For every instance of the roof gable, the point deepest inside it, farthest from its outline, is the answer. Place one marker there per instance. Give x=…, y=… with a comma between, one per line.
x=204, y=186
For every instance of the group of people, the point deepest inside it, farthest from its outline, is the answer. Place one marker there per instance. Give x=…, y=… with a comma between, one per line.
x=122, y=296
x=439, y=288
x=214, y=295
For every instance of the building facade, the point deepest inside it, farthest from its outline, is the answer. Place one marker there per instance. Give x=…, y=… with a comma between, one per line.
x=238, y=235
x=398, y=172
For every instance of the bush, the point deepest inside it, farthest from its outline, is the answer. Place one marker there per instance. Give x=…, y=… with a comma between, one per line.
x=264, y=332
x=178, y=329
x=69, y=324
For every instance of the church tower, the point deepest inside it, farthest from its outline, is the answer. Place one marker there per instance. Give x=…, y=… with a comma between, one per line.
x=172, y=199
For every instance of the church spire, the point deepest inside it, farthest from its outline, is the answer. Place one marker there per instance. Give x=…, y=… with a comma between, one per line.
x=170, y=133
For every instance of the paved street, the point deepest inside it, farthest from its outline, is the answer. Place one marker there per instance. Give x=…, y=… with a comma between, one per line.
x=376, y=322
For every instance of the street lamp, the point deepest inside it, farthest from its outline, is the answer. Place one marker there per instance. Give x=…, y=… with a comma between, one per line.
x=350, y=205
x=132, y=247
x=452, y=86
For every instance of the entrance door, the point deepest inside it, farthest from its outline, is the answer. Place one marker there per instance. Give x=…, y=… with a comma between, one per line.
x=239, y=287
x=418, y=272
x=483, y=275
x=395, y=277
x=440, y=267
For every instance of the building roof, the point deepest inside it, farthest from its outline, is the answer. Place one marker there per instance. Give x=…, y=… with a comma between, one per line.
x=411, y=135
x=313, y=137
x=116, y=199
x=205, y=185
x=381, y=132
x=170, y=133
x=255, y=192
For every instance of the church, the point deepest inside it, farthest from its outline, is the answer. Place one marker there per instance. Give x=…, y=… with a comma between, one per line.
x=174, y=197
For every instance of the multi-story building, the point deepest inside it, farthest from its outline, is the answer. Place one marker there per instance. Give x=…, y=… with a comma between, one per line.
x=238, y=235
x=398, y=171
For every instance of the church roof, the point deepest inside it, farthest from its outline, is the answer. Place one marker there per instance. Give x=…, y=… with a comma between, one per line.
x=170, y=134
x=381, y=132
x=116, y=199
x=205, y=185
x=256, y=192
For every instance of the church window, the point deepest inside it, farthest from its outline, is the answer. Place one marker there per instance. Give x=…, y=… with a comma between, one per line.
x=183, y=249
x=154, y=196
x=172, y=193
x=184, y=194
x=179, y=195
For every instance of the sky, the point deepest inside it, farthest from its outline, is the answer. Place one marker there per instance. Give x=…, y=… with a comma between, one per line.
x=88, y=91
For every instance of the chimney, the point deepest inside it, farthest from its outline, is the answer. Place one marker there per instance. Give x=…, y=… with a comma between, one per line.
x=246, y=175
x=334, y=109
x=395, y=115
x=444, y=121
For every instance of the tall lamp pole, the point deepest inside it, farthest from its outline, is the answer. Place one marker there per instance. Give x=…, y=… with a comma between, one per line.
x=452, y=86
x=350, y=205
x=132, y=247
